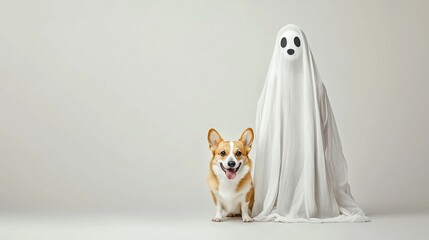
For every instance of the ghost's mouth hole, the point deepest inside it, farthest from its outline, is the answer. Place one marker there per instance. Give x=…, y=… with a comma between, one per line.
x=290, y=51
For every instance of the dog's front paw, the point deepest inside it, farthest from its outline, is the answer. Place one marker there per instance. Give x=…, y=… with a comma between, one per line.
x=216, y=219
x=247, y=219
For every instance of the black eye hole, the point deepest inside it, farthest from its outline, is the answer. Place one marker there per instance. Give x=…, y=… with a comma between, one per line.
x=223, y=153
x=283, y=42
x=297, y=41
x=238, y=154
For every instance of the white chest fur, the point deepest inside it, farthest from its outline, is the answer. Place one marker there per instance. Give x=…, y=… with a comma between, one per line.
x=227, y=193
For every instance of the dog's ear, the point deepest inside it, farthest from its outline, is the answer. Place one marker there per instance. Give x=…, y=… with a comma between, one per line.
x=247, y=138
x=214, y=139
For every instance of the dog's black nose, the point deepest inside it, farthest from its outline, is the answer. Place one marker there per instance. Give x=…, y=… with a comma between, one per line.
x=290, y=51
x=231, y=164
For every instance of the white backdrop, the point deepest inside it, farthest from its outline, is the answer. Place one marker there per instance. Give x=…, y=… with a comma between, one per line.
x=105, y=105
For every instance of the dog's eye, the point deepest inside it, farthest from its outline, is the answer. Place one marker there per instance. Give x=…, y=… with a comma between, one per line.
x=238, y=154
x=223, y=153
x=297, y=41
x=283, y=42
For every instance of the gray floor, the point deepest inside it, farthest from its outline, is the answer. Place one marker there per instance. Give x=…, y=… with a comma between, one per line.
x=27, y=227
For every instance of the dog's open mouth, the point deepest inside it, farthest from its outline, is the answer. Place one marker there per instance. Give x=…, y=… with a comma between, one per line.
x=230, y=172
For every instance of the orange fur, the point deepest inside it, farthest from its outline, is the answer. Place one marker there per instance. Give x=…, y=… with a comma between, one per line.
x=250, y=198
x=214, y=198
x=212, y=180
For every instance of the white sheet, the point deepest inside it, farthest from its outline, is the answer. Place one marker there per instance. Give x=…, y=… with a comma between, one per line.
x=300, y=172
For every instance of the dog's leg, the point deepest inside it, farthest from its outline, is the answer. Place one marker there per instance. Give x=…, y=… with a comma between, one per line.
x=245, y=211
x=218, y=216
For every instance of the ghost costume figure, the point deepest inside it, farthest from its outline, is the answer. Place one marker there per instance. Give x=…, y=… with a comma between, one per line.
x=300, y=172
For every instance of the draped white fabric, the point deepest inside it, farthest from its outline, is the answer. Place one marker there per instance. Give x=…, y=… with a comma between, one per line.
x=300, y=172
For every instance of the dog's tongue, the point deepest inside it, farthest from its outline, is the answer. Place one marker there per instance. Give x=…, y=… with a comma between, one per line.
x=230, y=174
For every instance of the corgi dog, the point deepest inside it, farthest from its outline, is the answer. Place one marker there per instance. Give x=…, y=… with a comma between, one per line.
x=229, y=178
